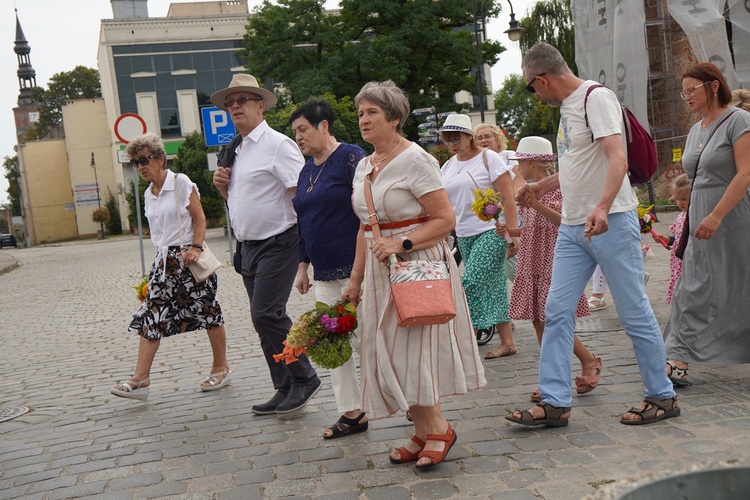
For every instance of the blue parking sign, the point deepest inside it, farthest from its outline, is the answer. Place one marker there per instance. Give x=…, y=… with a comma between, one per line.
x=218, y=129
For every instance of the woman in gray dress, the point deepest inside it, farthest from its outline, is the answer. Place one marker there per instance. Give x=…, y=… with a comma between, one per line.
x=709, y=321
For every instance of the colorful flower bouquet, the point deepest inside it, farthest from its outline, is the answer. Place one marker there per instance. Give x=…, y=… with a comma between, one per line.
x=141, y=289
x=324, y=334
x=487, y=207
x=646, y=218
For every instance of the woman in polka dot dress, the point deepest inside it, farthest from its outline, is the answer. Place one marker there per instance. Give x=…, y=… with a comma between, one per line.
x=534, y=272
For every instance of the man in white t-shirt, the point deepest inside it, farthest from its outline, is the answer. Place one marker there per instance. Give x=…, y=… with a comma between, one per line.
x=258, y=177
x=599, y=226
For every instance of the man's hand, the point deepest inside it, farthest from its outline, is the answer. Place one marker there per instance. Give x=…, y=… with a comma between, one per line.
x=596, y=223
x=221, y=180
x=528, y=194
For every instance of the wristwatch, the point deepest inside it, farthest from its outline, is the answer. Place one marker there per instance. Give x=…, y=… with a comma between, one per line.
x=406, y=243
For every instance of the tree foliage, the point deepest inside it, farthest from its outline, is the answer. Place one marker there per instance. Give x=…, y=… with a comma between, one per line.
x=424, y=46
x=10, y=167
x=114, y=224
x=80, y=83
x=513, y=105
x=549, y=21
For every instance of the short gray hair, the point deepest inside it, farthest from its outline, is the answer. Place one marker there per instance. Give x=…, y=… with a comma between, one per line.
x=388, y=96
x=544, y=58
x=149, y=141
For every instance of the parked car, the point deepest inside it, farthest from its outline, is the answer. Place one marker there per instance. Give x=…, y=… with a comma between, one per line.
x=8, y=240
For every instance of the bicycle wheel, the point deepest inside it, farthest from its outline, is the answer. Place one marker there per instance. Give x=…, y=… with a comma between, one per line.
x=484, y=335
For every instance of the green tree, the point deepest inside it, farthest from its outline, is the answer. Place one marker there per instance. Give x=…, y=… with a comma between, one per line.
x=425, y=46
x=549, y=21
x=130, y=198
x=10, y=166
x=114, y=224
x=191, y=161
x=81, y=82
x=513, y=105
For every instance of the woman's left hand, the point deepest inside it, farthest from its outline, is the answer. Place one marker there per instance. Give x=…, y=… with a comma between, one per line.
x=513, y=249
x=708, y=226
x=384, y=247
x=192, y=255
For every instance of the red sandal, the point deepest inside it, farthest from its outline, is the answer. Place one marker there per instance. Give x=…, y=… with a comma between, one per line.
x=436, y=457
x=405, y=456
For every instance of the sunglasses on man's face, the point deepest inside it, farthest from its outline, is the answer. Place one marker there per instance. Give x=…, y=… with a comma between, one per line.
x=143, y=160
x=530, y=86
x=240, y=100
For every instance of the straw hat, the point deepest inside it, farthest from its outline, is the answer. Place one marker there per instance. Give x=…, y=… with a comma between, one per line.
x=242, y=82
x=534, y=148
x=458, y=123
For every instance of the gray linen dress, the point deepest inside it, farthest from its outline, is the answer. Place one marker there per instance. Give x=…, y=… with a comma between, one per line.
x=710, y=317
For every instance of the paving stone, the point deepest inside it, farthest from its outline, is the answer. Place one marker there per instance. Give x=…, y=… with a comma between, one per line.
x=163, y=489
x=288, y=488
x=248, y=477
x=389, y=493
x=276, y=459
x=77, y=491
x=136, y=481
x=433, y=489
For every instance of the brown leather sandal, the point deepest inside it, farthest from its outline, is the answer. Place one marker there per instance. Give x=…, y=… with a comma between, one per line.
x=654, y=410
x=553, y=416
x=501, y=351
x=587, y=383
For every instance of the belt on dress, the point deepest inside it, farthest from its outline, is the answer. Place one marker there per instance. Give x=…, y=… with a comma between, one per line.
x=398, y=224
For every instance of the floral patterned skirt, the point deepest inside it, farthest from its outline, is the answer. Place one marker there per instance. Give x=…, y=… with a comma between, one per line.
x=175, y=302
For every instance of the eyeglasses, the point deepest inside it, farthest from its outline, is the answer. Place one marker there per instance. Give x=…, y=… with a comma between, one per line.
x=688, y=92
x=484, y=137
x=240, y=100
x=143, y=160
x=530, y=86
x=453, y=142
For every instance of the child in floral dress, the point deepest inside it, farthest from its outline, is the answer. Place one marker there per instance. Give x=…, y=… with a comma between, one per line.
x=534, y=272
x=680, y=189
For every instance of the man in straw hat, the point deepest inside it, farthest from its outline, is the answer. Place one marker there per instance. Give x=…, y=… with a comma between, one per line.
x=257, y=177
x=599, y=226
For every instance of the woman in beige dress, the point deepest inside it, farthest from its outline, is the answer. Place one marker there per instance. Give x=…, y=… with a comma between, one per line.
x=407, y=369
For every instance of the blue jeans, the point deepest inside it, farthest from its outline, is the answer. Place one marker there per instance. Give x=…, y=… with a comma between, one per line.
x=618, y=253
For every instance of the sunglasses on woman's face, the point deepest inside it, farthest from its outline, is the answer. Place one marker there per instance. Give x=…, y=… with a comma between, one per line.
x=143, y=160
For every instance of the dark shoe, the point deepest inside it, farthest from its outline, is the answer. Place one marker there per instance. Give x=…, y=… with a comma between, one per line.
x=553, y=416
x=269, y=407
x=298, y=397
x=654, y=409
x=345, y=426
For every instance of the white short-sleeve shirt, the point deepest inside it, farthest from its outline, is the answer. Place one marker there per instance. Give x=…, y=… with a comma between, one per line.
x=583, y=166
x=161, y=212
x=267, y=165
x=459, y=177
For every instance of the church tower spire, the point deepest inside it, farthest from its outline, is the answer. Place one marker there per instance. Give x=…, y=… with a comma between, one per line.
x=26, y=74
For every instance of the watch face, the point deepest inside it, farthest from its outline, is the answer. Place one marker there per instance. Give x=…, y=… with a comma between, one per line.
x=407, y=244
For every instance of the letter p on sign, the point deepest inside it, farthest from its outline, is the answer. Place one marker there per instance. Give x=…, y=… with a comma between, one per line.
x=218, y=129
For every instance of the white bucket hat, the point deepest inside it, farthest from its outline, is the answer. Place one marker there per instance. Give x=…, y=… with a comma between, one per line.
x=242, y=82
x=534, y=148
x=458, y=123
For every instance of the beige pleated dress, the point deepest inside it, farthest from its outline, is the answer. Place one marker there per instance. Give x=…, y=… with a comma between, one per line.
x=416, y=366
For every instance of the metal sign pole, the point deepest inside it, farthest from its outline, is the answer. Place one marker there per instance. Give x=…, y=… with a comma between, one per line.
x=138, y=219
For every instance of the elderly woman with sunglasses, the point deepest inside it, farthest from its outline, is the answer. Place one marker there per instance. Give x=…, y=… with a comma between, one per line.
x=708, y=322
x=483, y=251
x=175, y=301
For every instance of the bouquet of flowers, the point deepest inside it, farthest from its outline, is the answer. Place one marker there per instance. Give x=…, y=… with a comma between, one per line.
x=487, y=206
x=324, y=334
x=646, y=218
x=141, y=289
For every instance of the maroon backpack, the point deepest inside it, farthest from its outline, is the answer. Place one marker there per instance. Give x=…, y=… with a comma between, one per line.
x=642, y=160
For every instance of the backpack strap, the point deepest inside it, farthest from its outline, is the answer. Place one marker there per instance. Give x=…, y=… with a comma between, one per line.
x=625, y=121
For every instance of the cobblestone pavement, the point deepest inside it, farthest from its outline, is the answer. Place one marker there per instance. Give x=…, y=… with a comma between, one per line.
x=64, y=314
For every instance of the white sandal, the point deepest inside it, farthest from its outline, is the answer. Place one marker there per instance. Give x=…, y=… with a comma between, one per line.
x=212, y=380
x=132, y=389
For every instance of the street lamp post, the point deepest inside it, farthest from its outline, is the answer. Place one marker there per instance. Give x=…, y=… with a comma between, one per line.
x=98, y=198
x=514, y=33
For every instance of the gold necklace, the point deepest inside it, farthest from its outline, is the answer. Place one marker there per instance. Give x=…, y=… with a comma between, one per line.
x=379, y=162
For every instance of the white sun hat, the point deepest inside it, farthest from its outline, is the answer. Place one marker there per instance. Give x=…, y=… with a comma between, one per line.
x=534, y=148
x=458, y=123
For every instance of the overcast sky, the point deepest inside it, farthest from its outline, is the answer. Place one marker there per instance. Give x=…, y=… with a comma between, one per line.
x=65, y=34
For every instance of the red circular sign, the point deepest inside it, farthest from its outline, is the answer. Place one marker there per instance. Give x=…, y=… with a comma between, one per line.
x=128, y=126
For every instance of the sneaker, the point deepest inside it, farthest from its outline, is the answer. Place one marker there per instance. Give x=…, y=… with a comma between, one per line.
x=298, y=397
x=646, y=276
x=595, y=303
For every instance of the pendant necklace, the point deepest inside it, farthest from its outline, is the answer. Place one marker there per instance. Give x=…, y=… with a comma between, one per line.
x=377, y=163
x=312, y=182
